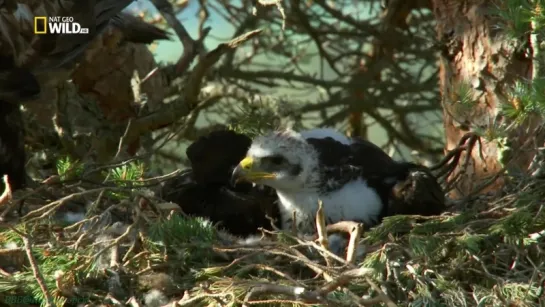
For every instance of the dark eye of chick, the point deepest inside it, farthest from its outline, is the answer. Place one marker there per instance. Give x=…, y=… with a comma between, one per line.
x=276, y=160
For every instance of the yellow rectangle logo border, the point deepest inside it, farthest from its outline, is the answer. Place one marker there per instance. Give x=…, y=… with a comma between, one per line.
x=44, y=20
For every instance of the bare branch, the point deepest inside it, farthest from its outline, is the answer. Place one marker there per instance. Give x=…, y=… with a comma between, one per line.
x=192, y=47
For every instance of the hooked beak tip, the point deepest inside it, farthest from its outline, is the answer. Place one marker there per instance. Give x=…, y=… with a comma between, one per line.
x=236, y=176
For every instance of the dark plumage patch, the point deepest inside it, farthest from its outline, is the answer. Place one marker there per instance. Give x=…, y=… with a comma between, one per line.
x=16, y=84
x=277, y=163
x=214, y=156
x=340, y=164
x=240, y=213
x=295, y=170
x=136, y=30
x=406, y=188
x=12, y=149
x=364, y=154
x=58, y=51
x=416, y=192
x=206, y=191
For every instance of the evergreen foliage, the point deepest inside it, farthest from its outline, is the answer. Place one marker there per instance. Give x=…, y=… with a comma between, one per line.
x=518, y=18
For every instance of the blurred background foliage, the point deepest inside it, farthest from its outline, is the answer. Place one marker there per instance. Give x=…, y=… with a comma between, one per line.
x=369, y=68
x=336, y=64
x=353, y=65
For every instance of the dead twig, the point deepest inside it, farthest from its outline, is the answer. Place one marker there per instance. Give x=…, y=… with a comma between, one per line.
x=321, y=230
x=192, y=47
x=52, y=206
x=189, y=100
x=352, y=249
x=6, y=194
x=295, y=293
x=35, y=268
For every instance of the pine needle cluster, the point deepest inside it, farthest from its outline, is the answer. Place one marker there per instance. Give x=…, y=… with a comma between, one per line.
x=521, y=19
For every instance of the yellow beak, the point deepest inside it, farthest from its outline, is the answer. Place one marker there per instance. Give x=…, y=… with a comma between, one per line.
x=246, y=170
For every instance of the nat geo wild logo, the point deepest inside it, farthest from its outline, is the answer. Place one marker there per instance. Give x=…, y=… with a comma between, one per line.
x=57, y=25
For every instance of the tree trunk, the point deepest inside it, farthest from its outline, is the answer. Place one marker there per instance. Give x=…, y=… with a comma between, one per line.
x=479, y=55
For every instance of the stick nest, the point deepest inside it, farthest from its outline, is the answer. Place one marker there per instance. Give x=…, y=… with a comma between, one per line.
x=133, y=249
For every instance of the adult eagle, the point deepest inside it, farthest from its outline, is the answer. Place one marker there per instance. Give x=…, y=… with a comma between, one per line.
x=353, y=178
x=205, y=189
x=28, y=61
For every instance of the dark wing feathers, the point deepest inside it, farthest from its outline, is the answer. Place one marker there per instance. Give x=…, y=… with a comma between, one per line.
x=418, y=193
x=362, y=154
x=408, y=188
x=16, y=84
x=68, y=47
x=12, y=147
x=138, y=31
x=205, y=190
x=239, y=213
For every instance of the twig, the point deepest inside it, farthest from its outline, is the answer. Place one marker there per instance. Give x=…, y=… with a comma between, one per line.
x=301, y=294
x=140, y=254
x=149, y=75
x=191, y=47
x=537, y=69
x=35, y=268
x=321, y=230
x=297, y=293
x=191, y=301
x=117, y=240
x=344, y=279
x=294, y=222
x=317, y=268
x=354, y=230
x=189, y=99
x=355, y=234
x=6, y=194
x=133, y=302
x=278, y=4
x=122, y=141
x=273, y=270
x=342, y=226
x=52, y=206
x=381, y=293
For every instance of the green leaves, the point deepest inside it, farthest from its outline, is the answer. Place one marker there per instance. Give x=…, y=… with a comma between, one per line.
x=67, y=168
x=515, y=17
x=188, y=239
x=179, y=230
x=127, y=175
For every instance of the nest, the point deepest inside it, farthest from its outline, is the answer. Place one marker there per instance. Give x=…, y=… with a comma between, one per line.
x=134, y=249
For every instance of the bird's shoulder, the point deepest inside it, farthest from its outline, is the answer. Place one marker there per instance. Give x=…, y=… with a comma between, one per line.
x=359, y=154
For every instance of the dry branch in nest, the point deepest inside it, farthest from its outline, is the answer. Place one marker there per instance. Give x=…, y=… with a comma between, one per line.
x=189, y=99
x=6, y=194
x=448, y=164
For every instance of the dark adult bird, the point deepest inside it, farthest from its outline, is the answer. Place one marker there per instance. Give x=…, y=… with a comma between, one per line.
x=353, y=178
x=205, y=189
x=49, y=58
x=12, y=146
x=26, y=58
